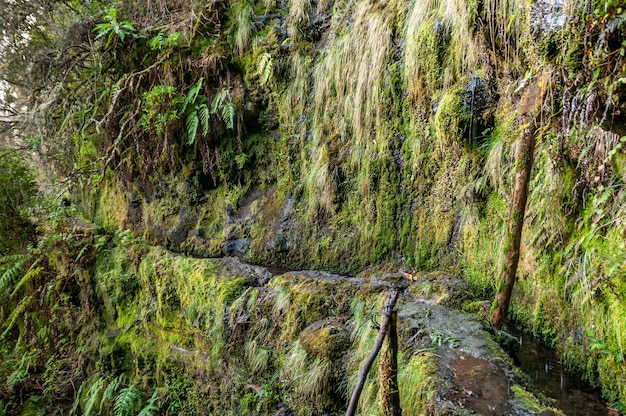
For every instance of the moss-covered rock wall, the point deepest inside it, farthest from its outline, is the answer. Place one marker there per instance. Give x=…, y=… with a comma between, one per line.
x=339, y=134
x=129, y=328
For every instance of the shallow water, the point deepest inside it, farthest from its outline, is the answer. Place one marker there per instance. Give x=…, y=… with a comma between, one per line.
x=574, y=396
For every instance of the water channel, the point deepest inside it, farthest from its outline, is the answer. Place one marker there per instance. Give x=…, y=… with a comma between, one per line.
x=573, y=396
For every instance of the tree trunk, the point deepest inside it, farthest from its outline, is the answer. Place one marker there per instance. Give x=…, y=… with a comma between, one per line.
x=388, y=370
x=523, y=166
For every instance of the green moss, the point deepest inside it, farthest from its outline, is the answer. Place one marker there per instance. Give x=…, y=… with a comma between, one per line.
x=424, y=73
x=111, y=211
x=529, y=403
x=418, y=383
x=452, y=116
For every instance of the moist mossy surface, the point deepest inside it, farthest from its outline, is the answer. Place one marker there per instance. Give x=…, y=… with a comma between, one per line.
x=336, y=136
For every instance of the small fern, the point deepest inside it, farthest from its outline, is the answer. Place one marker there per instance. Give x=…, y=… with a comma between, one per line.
x=218, y=101
x=17, y=312
x=32, y=272
x=13, y=258
x=191, y=124
x=93, y=396
x=264, y=68
x=151, y=408
x=203, y=115
x=81, y=253
x=198, y=114
x=110, y=391
x=79, y=394
x=192, y=95
x=12, y=271
x=227, y=109
x=228, y=115
x=126, y=401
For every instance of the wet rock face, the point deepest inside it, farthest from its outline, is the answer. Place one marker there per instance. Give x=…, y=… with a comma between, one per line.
x=237, y=246
x=478, y=100
x=548, y=15
x=134, y=208
x=285, y=239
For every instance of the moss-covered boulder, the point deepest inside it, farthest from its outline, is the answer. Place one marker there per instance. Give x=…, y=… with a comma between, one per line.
x=328, y=339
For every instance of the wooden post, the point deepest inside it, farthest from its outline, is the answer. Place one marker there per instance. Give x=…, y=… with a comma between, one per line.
x=384, y=327
x=388, y=370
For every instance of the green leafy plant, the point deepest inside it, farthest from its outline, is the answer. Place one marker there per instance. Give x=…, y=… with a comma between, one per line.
x=600, y=345
x=20, y=373
x=127, y=401
x=159, y=108
x=198, y=113
x=265, y=68
x=442, y=339
x=223, y=103
x=18, y=312
x=161, y=41
x=31, y=273
x=93, y=396
x=111, y=27
x=11, y=267
x=550, y=337
x=150, y=409
x=110, y=390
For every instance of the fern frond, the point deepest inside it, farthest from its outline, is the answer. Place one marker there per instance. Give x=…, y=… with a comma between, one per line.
x=218, y=100
x=93, y=395
x=192, y=127
x=228, y=115
x=192, y=94
x=264, y=68
x=81, y=252
x=10, y=274
x=110, y=391
x=32, y=272
x=203, y=115
x=17, y=312
x=150, y=409
x=78, y=397
x=126, y=401
x=13, y=258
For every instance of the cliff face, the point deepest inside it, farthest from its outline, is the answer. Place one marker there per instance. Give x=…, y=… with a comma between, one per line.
x=370, y=131
x=339, y=134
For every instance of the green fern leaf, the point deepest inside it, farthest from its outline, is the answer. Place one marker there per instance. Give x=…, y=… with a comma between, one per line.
x=78, y=397
x=17, y=313
x=264, y=68
x=93, y=395
x=150, y=409
x=126, y=401
x=110, y=391
x=203, y=114
x=14, y=258
x=191, y=96
x=81, y=253
x=11, y=273
x=32, y=272
x=228, y=115
x=192, y=127
x=218, y=100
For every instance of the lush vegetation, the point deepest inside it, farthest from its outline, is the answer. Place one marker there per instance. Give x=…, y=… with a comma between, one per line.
x=328, y=134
